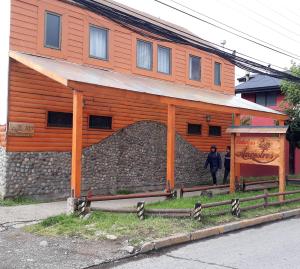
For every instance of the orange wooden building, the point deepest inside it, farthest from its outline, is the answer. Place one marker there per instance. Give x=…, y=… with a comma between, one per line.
x=119, y=107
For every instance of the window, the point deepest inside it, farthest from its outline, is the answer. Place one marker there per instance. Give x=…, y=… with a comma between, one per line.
x=98, y=43
x=60, y=119
x=266, y=99
x=217, y=73
x=52, y=30
x=214, y=130
x=163, y=60
x=194, y=129
x=100, y=122
x=144, y=52
x=195, y=68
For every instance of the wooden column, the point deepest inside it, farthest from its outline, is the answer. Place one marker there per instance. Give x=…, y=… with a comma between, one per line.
x=282, y=172
x=76, y=144
x=171, y=148
x=237, y=122
x=232, y=164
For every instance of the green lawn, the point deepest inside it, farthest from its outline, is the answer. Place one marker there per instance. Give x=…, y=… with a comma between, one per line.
x=18, y=201
x=128, y=226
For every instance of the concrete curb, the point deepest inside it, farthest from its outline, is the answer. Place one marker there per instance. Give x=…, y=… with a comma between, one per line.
x=217, y=230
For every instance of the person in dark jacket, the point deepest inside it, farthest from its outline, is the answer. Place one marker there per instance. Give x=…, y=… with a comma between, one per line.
x=214, y=162
x=226, y=165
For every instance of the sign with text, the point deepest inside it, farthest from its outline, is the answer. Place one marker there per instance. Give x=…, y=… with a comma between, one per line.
x=257, y=150
x=20, y=129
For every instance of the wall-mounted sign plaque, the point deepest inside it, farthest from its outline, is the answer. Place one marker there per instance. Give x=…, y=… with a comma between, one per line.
x=20, y=129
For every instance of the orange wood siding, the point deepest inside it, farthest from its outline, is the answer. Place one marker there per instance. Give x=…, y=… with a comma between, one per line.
x=2, y=136
x=32, y=95
x=27, y=35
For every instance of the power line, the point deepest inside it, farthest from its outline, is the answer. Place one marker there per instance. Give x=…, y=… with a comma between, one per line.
x=222, y=28
x=156, y=31
x=274, y=22
x=233, y=28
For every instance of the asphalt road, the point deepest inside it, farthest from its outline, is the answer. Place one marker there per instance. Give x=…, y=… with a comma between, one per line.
x=273, y=246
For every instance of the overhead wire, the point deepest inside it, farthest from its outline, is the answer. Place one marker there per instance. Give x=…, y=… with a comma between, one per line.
x=235, y=29
x=153, y=30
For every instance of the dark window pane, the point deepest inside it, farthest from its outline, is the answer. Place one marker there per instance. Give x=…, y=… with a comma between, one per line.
x=261, y=99
x=195, y=68
x=194, y=129
x=144, y=54
x=164, y=60
x=60, y=119
x=100, y=122
x=52, y=30
x=215, y=130
x=217, y=73
x=271, y=99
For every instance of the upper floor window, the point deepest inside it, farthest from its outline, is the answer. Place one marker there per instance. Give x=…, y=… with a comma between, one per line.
x=217, y=73
x=98, y=43
x=52, y=30
x=144, y=52
x=195, y=68
x=266, y=99
x=164, y=60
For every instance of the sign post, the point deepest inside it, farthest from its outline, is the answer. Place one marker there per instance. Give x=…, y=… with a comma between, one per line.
x=265, y=149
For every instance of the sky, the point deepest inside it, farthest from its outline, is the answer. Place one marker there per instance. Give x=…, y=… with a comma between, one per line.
x=276, y=22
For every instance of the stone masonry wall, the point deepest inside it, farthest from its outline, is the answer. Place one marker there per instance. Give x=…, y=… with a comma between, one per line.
x=133, y=158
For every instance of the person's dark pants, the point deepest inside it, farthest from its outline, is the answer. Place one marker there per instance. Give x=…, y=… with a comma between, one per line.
x=214, y=176
x=226, y=173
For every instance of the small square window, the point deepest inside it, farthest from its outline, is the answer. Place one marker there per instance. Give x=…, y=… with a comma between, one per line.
x=260, y=99
x=98, y=43
x=217, y=73
x=144, y=53
x=100, y=122
x=195, y=68
x=194, y=129
x=52, y=30
x=164, y=60
x=271, y=99
x=214, y=130
x=60, y=119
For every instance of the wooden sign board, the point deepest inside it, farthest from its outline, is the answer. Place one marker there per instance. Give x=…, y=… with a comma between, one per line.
x=20, y=129
x=257, y=150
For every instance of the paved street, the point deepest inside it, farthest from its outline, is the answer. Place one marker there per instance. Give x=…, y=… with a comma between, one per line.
x=271, y=246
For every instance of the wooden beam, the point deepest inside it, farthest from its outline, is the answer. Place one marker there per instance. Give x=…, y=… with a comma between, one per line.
x=237, y=122
x=76, y=144
x=282, y=166
x=232, y=164
x=171, y=148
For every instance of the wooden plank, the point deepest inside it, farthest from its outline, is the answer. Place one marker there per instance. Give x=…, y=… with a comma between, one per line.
x=232, y=164
x=171, y=147
x=282, y=166
x=76, y=144
x=237, y=122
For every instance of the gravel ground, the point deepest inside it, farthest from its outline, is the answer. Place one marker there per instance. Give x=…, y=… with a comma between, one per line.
x=24, y=250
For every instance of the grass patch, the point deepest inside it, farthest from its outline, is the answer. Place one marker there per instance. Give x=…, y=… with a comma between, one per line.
x=128, y=226
x=124, y=191
x=17, y=201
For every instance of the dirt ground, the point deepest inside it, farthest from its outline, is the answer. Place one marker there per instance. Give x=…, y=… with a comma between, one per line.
x=24, y=250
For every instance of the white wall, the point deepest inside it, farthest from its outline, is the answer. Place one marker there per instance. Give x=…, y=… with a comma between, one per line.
x=4, y=49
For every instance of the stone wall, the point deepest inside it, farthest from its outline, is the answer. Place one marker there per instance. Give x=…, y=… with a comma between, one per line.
x=2, y=171
x=133, y=158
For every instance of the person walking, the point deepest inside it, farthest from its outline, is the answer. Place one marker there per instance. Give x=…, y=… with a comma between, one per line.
x=214, y=162
x=226, y=165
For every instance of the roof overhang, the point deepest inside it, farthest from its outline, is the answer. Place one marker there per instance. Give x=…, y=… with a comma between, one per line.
x=76, y=75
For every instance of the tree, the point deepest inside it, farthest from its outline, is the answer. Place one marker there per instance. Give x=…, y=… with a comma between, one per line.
x=291, y=106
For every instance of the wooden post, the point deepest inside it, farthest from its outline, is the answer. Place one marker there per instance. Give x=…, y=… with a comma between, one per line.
x=171, y=148
x=232, y=164
x=282, y=175
x=76, y=144
x=237, y=122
